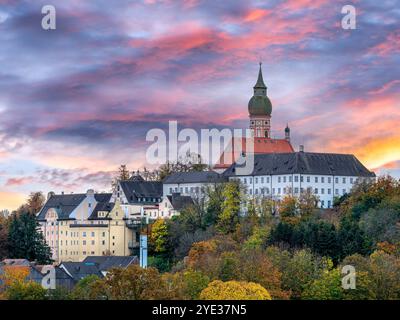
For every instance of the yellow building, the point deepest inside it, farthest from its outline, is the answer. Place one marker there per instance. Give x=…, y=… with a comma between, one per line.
x=80, y=225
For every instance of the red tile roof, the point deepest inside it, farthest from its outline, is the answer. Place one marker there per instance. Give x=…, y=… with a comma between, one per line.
x=261, y=146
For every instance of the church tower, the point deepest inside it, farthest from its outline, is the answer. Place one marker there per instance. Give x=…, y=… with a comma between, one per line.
x=260, y=109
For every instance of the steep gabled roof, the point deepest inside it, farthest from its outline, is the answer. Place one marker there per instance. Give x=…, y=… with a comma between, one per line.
x=103, y=204
x=80, y=270
x=261, y=146
x=64, y=204
x=194, y=177
x=134, y=189
x=180, y=202
x=105, y=263
x=306, y=163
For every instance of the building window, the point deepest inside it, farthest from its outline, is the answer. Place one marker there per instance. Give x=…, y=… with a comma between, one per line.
x=92, y=234
x=336, y=180
x=316, y=179
x=322, y=191
x=279, y=179
x=329, y=180
x=336, y=191
x=344, y=191
x=279, y=190
x=329, y=203
x=104, y=234
x=329, y=191
x=308, y=178
x=351, y=180
x=103, y=243
x=322, y=203
x=84, y=242
x=262, y=179
x=344, y=180
x=92, y=242
x=322, y=180
x=284, y=179
x=316, y=190
x=296, y=178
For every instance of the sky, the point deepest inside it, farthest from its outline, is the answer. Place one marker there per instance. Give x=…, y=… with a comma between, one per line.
x=76, y=102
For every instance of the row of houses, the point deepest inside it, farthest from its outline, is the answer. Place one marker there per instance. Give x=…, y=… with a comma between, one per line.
x=66, y=274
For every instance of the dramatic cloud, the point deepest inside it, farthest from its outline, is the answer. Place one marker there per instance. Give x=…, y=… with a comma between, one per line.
x=78, y=101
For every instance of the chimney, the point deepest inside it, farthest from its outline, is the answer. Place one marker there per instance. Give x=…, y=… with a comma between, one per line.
x=301, y=148
x=50, y=194
x=90, y=192
x=62, y=192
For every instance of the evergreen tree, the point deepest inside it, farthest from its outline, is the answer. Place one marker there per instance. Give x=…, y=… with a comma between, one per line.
x=26, y=241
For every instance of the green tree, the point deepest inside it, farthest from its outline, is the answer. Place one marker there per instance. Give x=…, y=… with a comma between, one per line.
x=26, y=241
x=228, y=266
x=229, y=217
x=328, y=287
x=159, y=236
x=3, y=238
x=195, y=282
x=83, y=289
x=352, y=239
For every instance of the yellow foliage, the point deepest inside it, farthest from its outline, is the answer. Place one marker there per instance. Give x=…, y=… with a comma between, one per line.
x=14, y=274
x=234, y=290
x=200, y=251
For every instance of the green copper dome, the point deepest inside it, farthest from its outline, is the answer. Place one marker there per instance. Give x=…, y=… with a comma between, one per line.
x=260, y=106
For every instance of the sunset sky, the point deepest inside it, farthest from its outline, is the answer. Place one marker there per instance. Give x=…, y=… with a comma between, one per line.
x=77, y=101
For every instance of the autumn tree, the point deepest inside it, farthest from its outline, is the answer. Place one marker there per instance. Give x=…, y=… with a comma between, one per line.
x=229, y=217
x=185, y=285
x=288, y=207
x=131, y=283
x=3, y=238
x=16, y=285
x=234, y=290
x=35, y=202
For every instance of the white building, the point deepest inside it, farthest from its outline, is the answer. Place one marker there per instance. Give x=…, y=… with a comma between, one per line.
x=327, y=175
x=138, y=197
x=172, y=205
x=192, y=184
